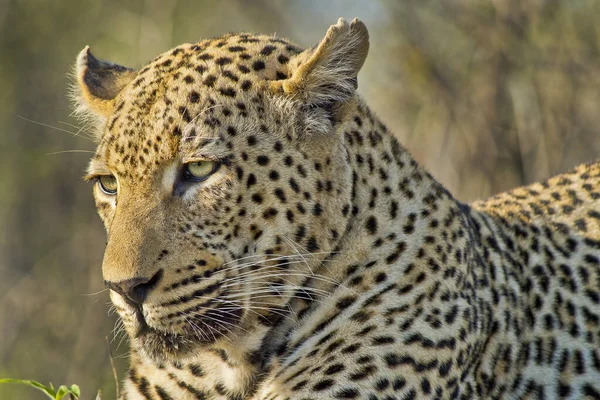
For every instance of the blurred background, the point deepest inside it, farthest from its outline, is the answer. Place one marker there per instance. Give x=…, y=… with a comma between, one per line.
x=487, y=94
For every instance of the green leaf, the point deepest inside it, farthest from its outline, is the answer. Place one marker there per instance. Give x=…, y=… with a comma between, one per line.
x=62, y=391
x=74, y=389
x=49, y=392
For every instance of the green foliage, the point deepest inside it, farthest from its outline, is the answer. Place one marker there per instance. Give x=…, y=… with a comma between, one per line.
x=54, y=394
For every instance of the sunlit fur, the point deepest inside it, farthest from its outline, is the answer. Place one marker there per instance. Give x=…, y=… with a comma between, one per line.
x=320, y=261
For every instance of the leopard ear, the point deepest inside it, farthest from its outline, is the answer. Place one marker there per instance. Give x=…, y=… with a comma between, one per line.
x=98, y=83
x=326, y=75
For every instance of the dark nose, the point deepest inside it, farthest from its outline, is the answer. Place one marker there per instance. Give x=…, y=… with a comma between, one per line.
x=134, y=291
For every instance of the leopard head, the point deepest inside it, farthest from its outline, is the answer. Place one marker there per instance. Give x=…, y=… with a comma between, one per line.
x=222, y=180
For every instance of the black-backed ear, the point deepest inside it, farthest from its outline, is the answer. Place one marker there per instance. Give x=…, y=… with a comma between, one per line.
x=326, y=76
x=98, y=84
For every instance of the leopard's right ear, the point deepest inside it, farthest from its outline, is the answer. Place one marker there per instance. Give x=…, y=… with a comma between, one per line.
x=323, y=79
x=97, y=85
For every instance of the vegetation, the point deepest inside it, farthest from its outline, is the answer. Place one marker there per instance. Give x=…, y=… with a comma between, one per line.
x=54, y=394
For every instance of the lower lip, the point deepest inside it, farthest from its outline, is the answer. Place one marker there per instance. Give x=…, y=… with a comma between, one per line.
x=145, y=331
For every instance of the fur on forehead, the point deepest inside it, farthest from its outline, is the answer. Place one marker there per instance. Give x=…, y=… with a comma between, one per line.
x=320, y=82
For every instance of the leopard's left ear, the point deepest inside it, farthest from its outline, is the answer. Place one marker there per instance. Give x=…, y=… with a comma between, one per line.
x=326, y=76
x=98, y=83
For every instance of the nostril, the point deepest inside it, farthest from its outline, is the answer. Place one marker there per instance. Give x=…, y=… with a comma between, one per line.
x=140, y=291
x=135, y=290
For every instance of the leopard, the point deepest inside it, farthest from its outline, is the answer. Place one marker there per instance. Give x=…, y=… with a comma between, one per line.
x=268, y=238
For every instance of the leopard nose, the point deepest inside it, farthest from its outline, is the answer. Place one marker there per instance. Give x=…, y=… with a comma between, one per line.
x=135, y=290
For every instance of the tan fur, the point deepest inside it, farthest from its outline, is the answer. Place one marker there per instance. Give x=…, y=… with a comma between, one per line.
x=323, y=76
x=96, y=103
x=320, y=261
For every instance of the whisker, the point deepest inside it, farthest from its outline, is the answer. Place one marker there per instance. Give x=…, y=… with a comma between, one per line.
x=269, y=290
x=224, y=325
x=198, y=115
x=291, y=243
x=249, y=264
x=197, y=331
x=182, y=309
x=69, y=151
x=83, y=128
x=96, y=293
x=210, y=329
x=279, y=255
x=222, y=300
x=264, y=273
x=281, y=265
x=50, y=126
x=79, y=128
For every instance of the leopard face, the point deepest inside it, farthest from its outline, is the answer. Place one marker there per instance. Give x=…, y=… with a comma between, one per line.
x=217, y=176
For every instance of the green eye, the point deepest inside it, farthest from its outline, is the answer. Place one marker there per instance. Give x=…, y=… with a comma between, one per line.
x=108, y=184
x=199, y=170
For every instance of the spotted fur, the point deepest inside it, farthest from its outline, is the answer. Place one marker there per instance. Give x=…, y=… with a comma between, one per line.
x=319, y=260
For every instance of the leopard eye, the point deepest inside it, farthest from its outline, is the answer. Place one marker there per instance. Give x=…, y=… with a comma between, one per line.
x=199, y=170
x=108, y=184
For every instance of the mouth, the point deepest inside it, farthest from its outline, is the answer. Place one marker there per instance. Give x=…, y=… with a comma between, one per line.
x=197, y=332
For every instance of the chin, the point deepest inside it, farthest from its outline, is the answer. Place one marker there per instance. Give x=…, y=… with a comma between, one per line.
x=178, y=345
x=165, y=347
